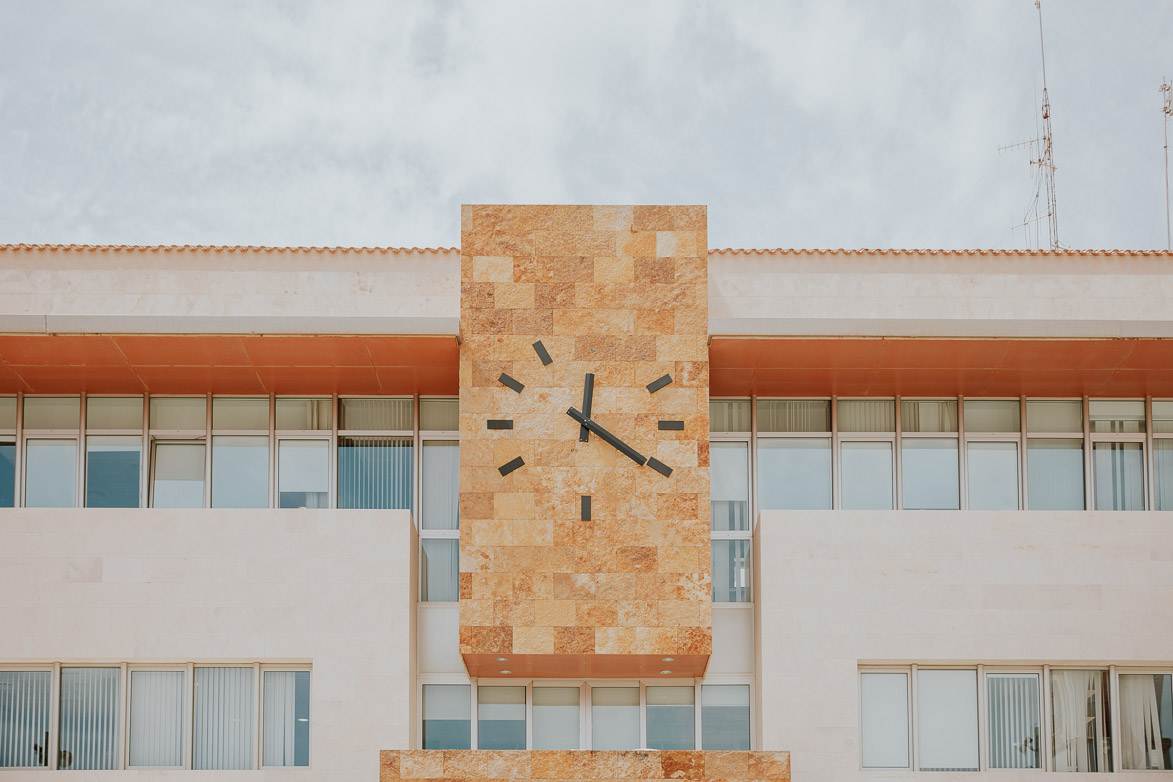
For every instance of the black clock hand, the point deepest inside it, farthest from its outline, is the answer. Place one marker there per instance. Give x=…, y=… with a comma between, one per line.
x=588, y=393
x=608, y=438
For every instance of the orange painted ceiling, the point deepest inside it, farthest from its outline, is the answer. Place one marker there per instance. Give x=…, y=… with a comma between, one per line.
x=228, y=364
x=940, y=367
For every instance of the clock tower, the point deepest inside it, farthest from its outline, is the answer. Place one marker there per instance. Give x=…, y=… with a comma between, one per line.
x=584, y=461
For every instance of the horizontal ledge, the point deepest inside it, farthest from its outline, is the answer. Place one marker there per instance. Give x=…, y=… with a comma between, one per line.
x=230, y=324
x=938, y=328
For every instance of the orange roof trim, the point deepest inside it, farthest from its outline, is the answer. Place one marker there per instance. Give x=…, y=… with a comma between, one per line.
x=219, y=248
x=904, y=251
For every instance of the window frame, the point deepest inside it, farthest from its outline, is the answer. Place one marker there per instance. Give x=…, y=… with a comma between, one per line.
x=1018, y=438
x=1143, y=437
x=750, y=440
x=757, y=437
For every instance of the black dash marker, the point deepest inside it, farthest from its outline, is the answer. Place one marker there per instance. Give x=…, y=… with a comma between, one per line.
x=500, y=423
x=586, y=507
x=510, y=466
x=665, y=426
x=658, y=466
x=543, y=354
x=659, y=383
x=507, y=380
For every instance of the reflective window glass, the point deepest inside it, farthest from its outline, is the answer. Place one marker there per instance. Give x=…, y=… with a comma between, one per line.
x=375, y=415
x=729, y=485
x=929, y=469
x=240, y=471
x=447, y=716
x=441, y=490
x=992, y=415
x=52, y=412
x=156, y=718
x=725, y=717
x=24, y=715
x=928, y=415
x=439, y=415
x=439, y=570
x=178, y=480
x=501, y=717
x=729, y=415
x=224, y=718
x=1120, y=416
x=992, y=475
x=240, y=414
x=1055, y=474
x=556, y=717
x=7, y=473
x=794, y=473
x=89, y=714
x=1146, y=721
x=7, y=412
x=1014, y=728
x=866, y=470
x=867, y=415
x=1080, y=725
x=374, y=472
x=1054, y=416
x=179, y=413
x=884, y=719
x=50, y=474
x=1119, y=476
x=615, y=717
x=113, y=470
x=947, y=719
x=114, y=412
x=303, y=473
x=1162, y=473
x=794, y=415
x=731, y=571
x=286, y=719
x=671, y=717
x=302, y=415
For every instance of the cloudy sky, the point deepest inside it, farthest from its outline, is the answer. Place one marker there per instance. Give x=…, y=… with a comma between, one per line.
x=824, y=123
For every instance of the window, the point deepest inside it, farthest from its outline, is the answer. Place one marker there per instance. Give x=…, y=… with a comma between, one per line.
x=439, y=570
x=725, y=713
x=1014, y=726
x=615, y=717
x=89, y=718
x=1163, y=454
x=240, y=461
x=113, y=466
x=671, y=717
x=7, y=451
x=868, y=429
x=729, y=503
x=947, y=719
x=375, y=456
x=556, y=715
x=156, y=718
x=794, y=473
x=178, y=475
x=50, y=473
x=24, y=718
x=224, y=718
x=286, y=719
x=884, y=719
x=991, y=456
x=731, y=571
x=729, y=485
x=1055, y=467
x=929, y=464
x=303, y=473
x=1146, y=721
x=1080, y=732
x=447, y=716
x=501, y=717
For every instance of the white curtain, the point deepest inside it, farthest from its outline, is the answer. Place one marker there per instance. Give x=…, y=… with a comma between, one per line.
x=441, y=489
x=867, y=415
x=24, y=718
x=1014, y=720
x=280, y=716
x=156, y=718
x=89, y=718
x=794, y=415
x=1140, y=722
x=1079, y=720
x=224, y=718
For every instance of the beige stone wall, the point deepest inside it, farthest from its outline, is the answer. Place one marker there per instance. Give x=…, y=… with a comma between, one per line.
x=429, y=765
x=620, y=292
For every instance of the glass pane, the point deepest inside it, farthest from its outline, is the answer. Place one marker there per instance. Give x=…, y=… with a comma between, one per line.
x=992, y=415
x=303, y=473
x=24, y=718
x=447, y=716
x=156, y=718
x=555, y=718
x=1119, y=476
x=1055, y=474
x=1162, y=416
x=89, y=718
x=501, y=717
x=615, y=717
x=179, y=413
x=439, y=570
x=929, y=470
x=947, y=717
x=725, y=717
x=114, y=412
x=794, y=415
x=7, y=474
x=920, y=415
x=1162, y=469
x=441, y=489
x=374, y=472
x=7, y=412
x=728, y=415
x=439, y=415
x=50, y=474
x=370, y=415
x=52, y=412
x=867, y=475
x=884, y=719
x=992, y=475
x=225, y=718
x=179, y=476
x=731, y=571
x=302, y=414
x=1047, y=416
x=286, y=741
x=113, y=470
x=794, y=473
x=867, y=415
x=729, y=487
x=1116, y=415
x=1081, y=721
x=1146, y=721
x=240, y=472
x=670, y=716
x=1014, y=727
x=240, y=414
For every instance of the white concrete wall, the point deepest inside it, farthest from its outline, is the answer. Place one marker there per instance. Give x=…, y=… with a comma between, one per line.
x=841, y=588
x=241, y=292
x=940, y=295
x=333, y=588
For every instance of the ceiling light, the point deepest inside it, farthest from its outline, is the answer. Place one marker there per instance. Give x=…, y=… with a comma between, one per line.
x=668, y=659
x=502, y=659
x=504, y=673
x=665, y=673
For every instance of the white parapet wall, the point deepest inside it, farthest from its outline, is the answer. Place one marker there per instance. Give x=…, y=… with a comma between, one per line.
x=851, y=588
x=330, y=588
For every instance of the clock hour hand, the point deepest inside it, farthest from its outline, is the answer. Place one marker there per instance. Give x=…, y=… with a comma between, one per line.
x=588, y=393
x=608, y=438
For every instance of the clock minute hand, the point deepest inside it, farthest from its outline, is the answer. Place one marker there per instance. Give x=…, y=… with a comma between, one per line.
x=609, y=438
x=588, y=393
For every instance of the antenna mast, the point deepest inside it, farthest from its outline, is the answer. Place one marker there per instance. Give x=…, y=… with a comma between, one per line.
x=1167, y=109
x=1046, y=161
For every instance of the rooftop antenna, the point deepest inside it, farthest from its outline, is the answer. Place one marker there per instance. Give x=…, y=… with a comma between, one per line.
x=1167, y=110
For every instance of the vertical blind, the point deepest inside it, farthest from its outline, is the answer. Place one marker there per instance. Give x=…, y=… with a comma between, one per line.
x=374, y=472
x=24, y=718
x=89, y=718
x=224, y=718
x=1013, y=720
x=156, y=718
x=286, y=718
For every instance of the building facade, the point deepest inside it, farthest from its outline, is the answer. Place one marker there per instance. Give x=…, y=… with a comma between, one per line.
x=584, y=483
